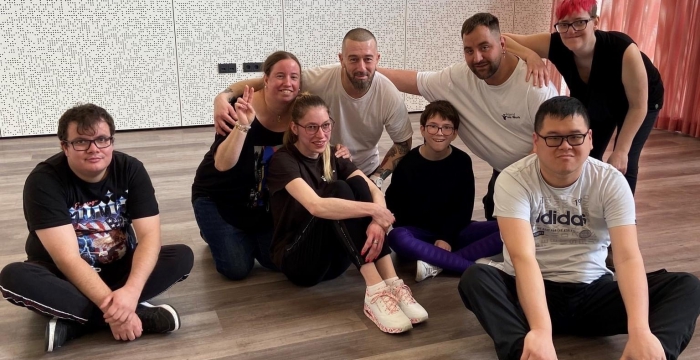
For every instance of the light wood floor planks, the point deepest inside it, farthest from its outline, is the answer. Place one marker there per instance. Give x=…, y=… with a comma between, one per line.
x=266, y=317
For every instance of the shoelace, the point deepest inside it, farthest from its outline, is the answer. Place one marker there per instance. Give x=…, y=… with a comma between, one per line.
x=404, y=294
x=391, y=304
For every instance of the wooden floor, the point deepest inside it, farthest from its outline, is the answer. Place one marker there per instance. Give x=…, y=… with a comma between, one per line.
x=266, y=317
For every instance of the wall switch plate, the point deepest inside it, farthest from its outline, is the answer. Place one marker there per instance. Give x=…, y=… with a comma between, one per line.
x=252, y=67
x=227, y=68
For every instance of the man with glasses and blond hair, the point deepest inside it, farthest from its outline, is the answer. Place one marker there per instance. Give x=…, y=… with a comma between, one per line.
x=94, y=248
x=558, y=210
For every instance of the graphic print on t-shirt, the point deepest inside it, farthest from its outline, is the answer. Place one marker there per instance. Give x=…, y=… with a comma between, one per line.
x=101, y=229
x=562, y=221
x=259, y=195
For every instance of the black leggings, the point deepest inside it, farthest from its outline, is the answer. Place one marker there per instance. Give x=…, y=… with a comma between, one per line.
x=41, y=287
x=323, y=249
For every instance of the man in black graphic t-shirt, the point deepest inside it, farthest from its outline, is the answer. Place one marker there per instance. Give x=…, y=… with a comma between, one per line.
x=85, y=209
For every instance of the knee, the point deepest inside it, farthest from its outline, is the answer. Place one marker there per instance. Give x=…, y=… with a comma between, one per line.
x=359, y=186
x=397, y=236
x=339, y=189
x=688, y=284
x=235, y=270
x=13, y=276
x=472, y=281
x=182, y=258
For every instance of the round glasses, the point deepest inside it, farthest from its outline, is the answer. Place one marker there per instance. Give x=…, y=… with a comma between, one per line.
x=312, y=129
x=556, y=141
x=433, y=129
x=578, y=25
x=84, y=144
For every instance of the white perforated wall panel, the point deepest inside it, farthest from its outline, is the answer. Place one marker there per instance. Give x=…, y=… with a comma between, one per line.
x=210, y=32
x=117, y=54
x=532, y=16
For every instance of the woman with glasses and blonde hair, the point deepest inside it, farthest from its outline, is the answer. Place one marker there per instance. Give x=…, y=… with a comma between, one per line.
x=328, y=214
x=607, y=72
x=229, y=193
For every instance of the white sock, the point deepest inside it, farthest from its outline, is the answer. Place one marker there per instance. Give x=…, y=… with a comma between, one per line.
x=373, y=289
x=390, y=281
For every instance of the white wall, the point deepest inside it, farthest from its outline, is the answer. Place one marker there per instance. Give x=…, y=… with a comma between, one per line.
x=153, y=63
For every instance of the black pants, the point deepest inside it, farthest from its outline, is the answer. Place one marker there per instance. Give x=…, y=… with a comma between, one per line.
x=602, y=133
x=43, y=288
x=594, y=309
x=323, y=249
x=488, y=199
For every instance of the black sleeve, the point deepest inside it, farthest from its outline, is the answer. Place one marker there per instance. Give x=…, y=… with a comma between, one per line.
x=283, y=169
x=461, y=216
x=142, y=196
x=398, y=194
x=344, y=168
x=44, y=200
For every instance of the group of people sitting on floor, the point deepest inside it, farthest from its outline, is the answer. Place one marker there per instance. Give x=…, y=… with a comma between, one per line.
x=294, y=181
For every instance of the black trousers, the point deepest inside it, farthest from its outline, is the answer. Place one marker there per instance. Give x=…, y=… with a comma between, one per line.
x=602, y=133
x=41, y=287
x=488, y=199
x=323, y=249
x=594, y=309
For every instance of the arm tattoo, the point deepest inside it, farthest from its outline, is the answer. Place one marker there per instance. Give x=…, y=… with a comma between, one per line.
x=395, y=154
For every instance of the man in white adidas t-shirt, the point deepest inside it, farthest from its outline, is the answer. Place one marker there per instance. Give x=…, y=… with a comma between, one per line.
x=362, y=102
x=496, y=105
x=558, y=210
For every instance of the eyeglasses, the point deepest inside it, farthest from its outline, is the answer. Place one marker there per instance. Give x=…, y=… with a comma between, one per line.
x=83, y=144
x=312, y=129
x=433, y=129
x=556, y=141
x=578, y=25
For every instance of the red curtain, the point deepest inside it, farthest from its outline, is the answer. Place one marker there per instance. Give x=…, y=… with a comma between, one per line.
x=678, y=60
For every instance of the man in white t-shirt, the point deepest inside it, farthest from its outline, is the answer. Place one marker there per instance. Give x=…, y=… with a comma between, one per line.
x=558, y=210
x=362, y=102
x=496, y=105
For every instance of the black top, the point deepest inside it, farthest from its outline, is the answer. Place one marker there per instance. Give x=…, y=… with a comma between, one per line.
x=286, y=165
x=101, y=213
x=240, y=193
x=604, y=95
x=433, y=195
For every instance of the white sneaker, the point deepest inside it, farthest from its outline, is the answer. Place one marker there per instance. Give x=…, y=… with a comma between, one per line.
x=425, y=270
x=500, y=265
x=383, y=309
x=415, y=312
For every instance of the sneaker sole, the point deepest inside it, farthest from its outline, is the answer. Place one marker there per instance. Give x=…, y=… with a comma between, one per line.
x=170, y=309
x=50, y=331
x=383, y=328
x=418, y=320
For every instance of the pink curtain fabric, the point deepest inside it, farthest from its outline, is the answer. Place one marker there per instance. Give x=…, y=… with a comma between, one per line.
x=678, y=59
x=636, y=18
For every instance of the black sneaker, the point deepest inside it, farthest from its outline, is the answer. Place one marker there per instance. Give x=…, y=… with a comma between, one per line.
x=58, y=331
x=156, y=319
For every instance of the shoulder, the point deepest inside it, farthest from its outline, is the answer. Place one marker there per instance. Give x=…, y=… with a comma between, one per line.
x=523, y=168
x=323, y=71
x=385, y=85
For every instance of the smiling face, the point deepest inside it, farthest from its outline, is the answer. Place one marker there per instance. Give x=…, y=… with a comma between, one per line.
x=561, y=166
x=284, y=80
x=483, y=51
x=578, y=40
x=359, y=61
x=438, y=142
x=89, y=165
x=312, y=145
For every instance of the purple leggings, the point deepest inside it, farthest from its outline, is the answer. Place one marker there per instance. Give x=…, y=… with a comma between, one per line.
x=478, y=239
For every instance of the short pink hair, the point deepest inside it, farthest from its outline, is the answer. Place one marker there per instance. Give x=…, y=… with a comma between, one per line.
x=568, y=7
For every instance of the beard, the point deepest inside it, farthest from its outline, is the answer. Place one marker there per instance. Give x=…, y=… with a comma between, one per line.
x=486, y=72
x=361, y=85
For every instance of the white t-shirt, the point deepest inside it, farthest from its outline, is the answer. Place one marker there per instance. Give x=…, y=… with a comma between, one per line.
x=359, y=122
x=496, y=122
x=570, y=225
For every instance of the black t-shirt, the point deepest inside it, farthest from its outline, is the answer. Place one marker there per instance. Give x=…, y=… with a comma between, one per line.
x=433, y=195
x=240, y=193
x=286, y=165
x=100, y=213
x=604, y=94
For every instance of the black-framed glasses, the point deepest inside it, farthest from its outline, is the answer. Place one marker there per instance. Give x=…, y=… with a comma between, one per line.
x=84, y=144
x=556, y=141
x=312, y=129
x=433, y=129
x=578, y=25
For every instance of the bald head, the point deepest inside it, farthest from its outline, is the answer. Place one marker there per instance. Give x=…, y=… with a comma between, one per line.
x=359, y=35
